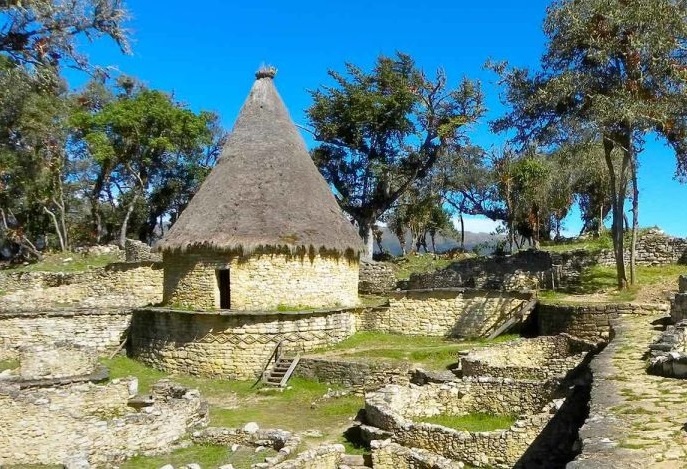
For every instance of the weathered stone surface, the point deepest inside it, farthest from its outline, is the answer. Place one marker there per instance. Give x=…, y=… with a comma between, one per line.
x=138, y=251
x=376, y=278
x=53, y=425
x=365, y=374
x=259, y=282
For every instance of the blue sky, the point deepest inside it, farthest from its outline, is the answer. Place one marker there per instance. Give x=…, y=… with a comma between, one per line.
x=207, y=53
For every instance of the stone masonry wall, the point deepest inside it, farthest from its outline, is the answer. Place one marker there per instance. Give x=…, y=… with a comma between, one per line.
x=231, y=345
x=119, y=284
x=261, y=282
x=369, y=375
x=449, y=313
x=538, y=358
x=92, y=423
x=389, y=455
x=400, y=411
x=653, y=248
x=376, y=278
x=678, y=305
x=586, y=321
x=102, y=329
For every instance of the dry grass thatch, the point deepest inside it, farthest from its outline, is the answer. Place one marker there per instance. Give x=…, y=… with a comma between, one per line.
x=265, y=190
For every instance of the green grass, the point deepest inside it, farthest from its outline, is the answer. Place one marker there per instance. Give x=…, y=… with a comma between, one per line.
x=55, y=262
x=478, y=422
x=204, y=455
x=8, y=364
x=590, y=244
x=418, y=263
x=235, y=403
x=431, y=352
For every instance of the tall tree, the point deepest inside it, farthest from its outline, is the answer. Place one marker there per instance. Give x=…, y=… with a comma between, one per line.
x=145, y=147
x=40, y=33
x=380, y=131
x=613, y=71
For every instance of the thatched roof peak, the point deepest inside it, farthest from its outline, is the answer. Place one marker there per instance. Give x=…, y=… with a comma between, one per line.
x=266, y=71
x=265, y=192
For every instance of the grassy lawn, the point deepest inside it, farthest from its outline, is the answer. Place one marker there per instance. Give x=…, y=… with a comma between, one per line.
x=235, y=403
x=478, y=422
x=590, y=244
x=418, y=263
x=204, y=455
x=602, y=280
x=58, y=262
x=435, y=353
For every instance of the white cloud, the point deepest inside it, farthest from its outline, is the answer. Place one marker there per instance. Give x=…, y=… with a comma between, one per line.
x=477, y=224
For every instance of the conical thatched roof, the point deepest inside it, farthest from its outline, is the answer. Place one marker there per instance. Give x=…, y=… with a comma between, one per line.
x=265, y=191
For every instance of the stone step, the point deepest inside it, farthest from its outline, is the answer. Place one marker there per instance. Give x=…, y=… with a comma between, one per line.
x=352, y=460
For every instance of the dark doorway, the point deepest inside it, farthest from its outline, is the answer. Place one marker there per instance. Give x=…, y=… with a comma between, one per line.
x=223, y=282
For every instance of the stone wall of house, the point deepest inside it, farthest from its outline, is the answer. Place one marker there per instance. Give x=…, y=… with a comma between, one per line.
x=400, y=410
x=233, y=345
x=115, y=285
x=92, y=423
x=528, y=269
x=101, y=329
x=653, y=248
x=586, y=321
x=376, y=278
x=55, y=361
x=539, y=358
x=365, y=374
x=678, y=305
x=259, y=282
x=451, y=312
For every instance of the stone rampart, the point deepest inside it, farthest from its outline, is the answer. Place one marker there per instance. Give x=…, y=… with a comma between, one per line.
x=449, y=313
x=586, y=321
x=376, y=278
x=118, y=284
x=101, y=329
x=230, y=344
x=365, y=374
x=92, y=423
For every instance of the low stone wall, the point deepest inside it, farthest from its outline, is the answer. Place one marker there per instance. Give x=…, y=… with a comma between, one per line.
x=87, y=422
x=528, y=269
x=54, y=361
x=653, y=248
x=678, y=305
x=376, y=278
x=389, y=455
x=285, y=443
x=230, y=344
x=138, y=251
x=587, y=321
x=448, y=313
x=539, y=358
x=102, y=330
x=322, y=457
x=118, y=284
x=668, y=354
x=365, y=374
x=400, y=411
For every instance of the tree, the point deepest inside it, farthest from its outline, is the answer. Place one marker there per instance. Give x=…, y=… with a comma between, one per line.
x=613, y=71
x=144, y=147
x=36, y=34
x=379, y=132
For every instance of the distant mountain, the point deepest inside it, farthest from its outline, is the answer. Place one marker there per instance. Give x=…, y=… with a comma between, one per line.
x=390, y=242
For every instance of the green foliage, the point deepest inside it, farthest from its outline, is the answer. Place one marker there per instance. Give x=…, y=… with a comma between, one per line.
x=478, y=422
x=381, y=131
x=8, y=364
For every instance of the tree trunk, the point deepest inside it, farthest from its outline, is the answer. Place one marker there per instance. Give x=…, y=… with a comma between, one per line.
x=125, y=222
x=366, y=232
x=462, y=232
x=618, y=189
x=58, y=231
x=635, y=218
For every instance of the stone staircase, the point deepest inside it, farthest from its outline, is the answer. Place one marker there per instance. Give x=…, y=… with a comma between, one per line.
x=355, y=461
x=281, y=371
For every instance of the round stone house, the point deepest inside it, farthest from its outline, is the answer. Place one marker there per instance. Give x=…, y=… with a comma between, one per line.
x=264, y=231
